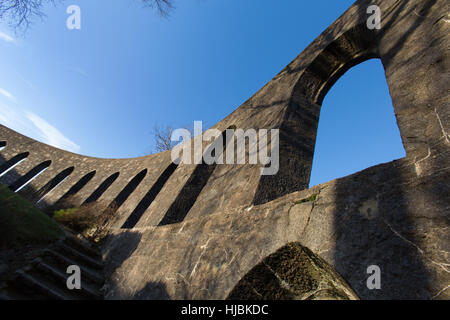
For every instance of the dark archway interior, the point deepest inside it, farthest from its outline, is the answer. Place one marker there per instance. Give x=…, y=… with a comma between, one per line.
x=77, y=186
x=143, y=205
x=102, y=188
x=30, y=175
x=52, y=184
x=13, y=162
x=194, y=186
x=127, y=191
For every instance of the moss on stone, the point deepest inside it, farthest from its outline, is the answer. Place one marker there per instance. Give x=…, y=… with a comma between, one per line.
x=291, y=273
x=310, y=198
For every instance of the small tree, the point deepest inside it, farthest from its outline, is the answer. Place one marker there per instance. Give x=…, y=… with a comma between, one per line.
x=163, y=137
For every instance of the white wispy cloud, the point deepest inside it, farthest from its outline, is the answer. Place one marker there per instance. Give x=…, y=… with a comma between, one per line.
x=33, y=126
x=7, y=94
x=51, y=135
x=78, y=70
x=6, y=37
x=28, y=83
x=12, y=119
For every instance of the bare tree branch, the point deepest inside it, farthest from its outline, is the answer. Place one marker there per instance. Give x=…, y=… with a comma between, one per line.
x=163, y=140
x=19, y=14
x=164, y=7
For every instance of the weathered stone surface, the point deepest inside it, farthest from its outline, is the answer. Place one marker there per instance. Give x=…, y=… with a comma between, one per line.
x=394, y=215
x=369, y=218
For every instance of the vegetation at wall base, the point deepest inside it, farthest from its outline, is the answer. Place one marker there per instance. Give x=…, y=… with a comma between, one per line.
x=88, y=220
x=21, y=223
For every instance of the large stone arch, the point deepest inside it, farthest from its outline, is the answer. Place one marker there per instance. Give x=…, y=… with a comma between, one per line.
x=411, y=49
x=379, y=215
x=355, y=46
x=293, y=272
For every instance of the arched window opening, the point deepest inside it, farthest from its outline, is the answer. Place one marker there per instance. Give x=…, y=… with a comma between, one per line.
x=136, y=215
x=12, y=163
x=23, y=181
x=77, y=186
x=52, y=185
x=357, y=126
x=102, y=188
x=192, y=189
x=127, y=191
x=2, y=145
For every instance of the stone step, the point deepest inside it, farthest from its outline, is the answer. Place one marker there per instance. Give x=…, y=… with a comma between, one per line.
x=46, y=277
x=82, y=245
x=18, y=292
x=76, y=255
x=41, y=287
x=60, y=279
x=52, y=257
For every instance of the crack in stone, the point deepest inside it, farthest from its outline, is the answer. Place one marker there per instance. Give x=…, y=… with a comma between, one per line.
x=444, y=133
x=283, y=283
x=204, y=247
x=440, y=264
x=323, y=250
x=309, y=294
x=312, y=209
x=182, y=227
x=417, y=163
x=440, y=292
x=257, y=293
x=203, y=289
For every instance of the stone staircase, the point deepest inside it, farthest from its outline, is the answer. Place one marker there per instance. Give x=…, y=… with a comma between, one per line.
x=46, y=278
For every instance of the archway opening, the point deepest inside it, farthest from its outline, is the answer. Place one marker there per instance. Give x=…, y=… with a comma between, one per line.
x=120, y=199
x=77, y=187
x=357, y=125
x=147, y=200
x=101, y=189
x=12, y=163
x=23, y=181
x=39, y=195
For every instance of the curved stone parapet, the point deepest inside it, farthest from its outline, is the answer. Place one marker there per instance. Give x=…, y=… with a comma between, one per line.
x=71, y=175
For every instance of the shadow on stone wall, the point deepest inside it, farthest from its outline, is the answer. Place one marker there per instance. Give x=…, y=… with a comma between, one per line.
x=152, y=291
x=370, y=222
x=392, y=217
x=120, y=248
x=377, y=211
x=11, y=178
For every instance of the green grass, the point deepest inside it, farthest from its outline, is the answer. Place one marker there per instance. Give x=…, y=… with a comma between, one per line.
x=89, y=220
x=62, y=213
x=76, y=219
x=311, y=198
x=22, y=223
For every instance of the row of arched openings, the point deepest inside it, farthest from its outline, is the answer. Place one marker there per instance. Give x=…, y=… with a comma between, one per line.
x=389, y=147
x=176, y=212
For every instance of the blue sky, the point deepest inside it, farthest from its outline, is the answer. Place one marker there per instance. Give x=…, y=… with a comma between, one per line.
x=100, y=90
